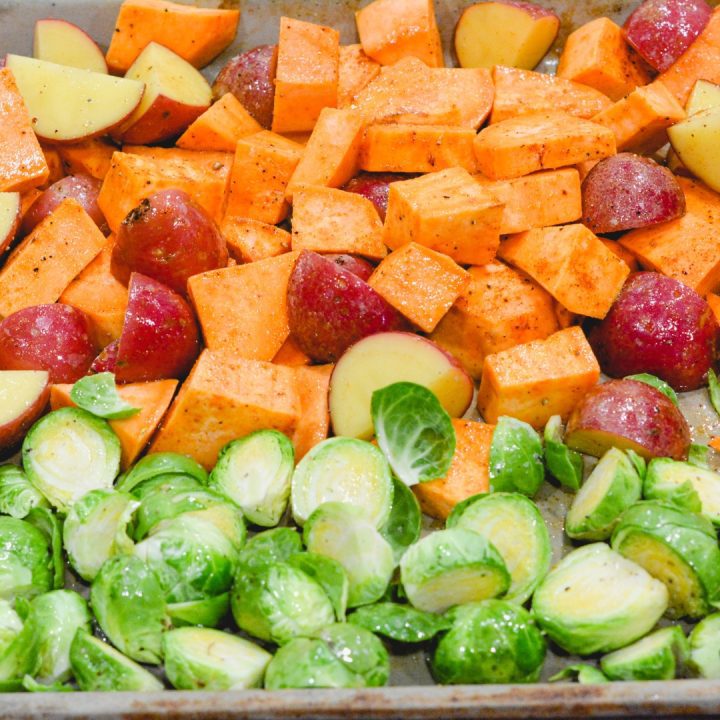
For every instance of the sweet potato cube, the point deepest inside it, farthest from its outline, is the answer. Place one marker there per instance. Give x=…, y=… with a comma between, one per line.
x=597, y=55
x=224, y=398
x=243, y=309
x=220, y=126
x=713, y=301
x=291, y=355
x=261, y=170
x=623, y=253
x=542, y=141
x=355, y=71
x=153, y=399
x=499, y=309
x=250, y=240
x=446, y=211
x=48, y=259
x=469, y=473
x=56, y=170
x=536, y=380
x=390, y=30
x=640, y=120
x=22, y=163
x=331, y=154
x=313, y=384
x=417, y=148
x=420, y=283
x=90, y=157
x=327, y=220
x=307, y=74
x=572, y=264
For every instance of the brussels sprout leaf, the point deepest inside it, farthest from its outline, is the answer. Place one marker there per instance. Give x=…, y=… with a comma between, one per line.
x=400, y=622
x=97, y=394
x=657, y=383
x=564, y=464
x=698, y=456
x=714, y=390
x=516, y=458
x=584, y=674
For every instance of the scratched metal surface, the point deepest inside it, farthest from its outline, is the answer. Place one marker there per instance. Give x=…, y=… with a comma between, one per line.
x=412, y=694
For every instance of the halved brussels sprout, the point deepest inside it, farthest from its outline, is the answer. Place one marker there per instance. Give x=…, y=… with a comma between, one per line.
x=171, y=484
x=705, y=647
x=611, y=488
x=95, y=529
x=327, y=573
x=516, y=458
x=18, y=496
x=402, y=528
x=99, y=667
x=208, y=612
x=678, y=548
x=584, y=674
x=489, y=642
x=515, y=527
x=165, y=463
x=69, y=452
x=255, y=473
x=10, y=625
x=268, y=547
x=658, y=656
x=26, y=563
x=362, y=652
x=228, y=519
x=564, y=464
x=402, y=623
x=206, y=659
x=344, y=533
x=452, y=567
x=595, y=600
x=50, y=525
x=346, y=470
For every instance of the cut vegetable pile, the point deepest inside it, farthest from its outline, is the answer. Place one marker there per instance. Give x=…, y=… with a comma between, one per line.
x=242, y=327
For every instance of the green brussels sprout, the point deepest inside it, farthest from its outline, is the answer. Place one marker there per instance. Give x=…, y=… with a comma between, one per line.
x=268, y=547
x=515, y=527
x=129, y=605
x=95, y=529
x=208, y=612
x=594, y=600
x=361, y=651
x=171, y=484
x=612, y=487
x=705, y=647
x=10, y=625
x=279, y=602
x=165, y=463
x=347, y=470
x=50, y=526
x=452, y=567
x=18, y=496
x=255, y=473
x=402, y=528
x=343, y=532
x=327, y=573
x=516, y=458
x=402, y=623
x=69, y=452
x=228, y=519
x=658, y=656
x=678, y=548
x=33, y=686
x=564, y=464
x=206, y=659
x=98, y=667
x=492, y=641
x=698, y=455
x=26, y=563
x=584, y=674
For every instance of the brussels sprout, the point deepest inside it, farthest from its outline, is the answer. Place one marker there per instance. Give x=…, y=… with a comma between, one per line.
x=564, y=464
x=32, y=685
x=402, y=623
x=205, y=659
x=639, y=462
x=278, y=602
x=594, y=600
x=100, y=667
x=208, y=612
x=343, y=532
x=705, y=648
x=96, y=529
x=171, y=484
x=98, y=395
x=268, y=547
x=50, y=526
x=309, y=663
x=612, y=487
x=361, y=651
x=515, y=527
x=714, y=390
x=493, y=641
x=452, y=567
x=678, y=548
x=584, y=674
x=166, y=463
x=129, y=605
x=26, y=564
x=10, y=625
x=69, y=452
x=18, y=496
x=345, y=470
x=228, y=519
x=327, y=573
x=658, y=656
x=516, y=458
x=402, y=528
x=698, y=455
x=255, y=473
x=657, y=383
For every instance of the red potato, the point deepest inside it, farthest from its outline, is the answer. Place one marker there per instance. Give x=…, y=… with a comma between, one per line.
x=657, y=325
x=375, y=187
x=330, y=308
x=250, y=77
x=661, y=30
x=628, y=191
x=107, y=359
x=159, y=338
x=24, y=395
x=356, y=265
x=53, y=337
x=60, y=41
x=10, y=206
x=628, y=414
x=169, y=238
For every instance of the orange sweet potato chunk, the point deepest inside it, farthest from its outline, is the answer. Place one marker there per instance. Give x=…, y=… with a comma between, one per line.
x=224, y=398
x=355, y=71
x=714, y=302
x=291, y=355
x=90, y=157
x=536, y=380
x=250, y=240
x=196, y=34
x=313, y=384
x=420, y=283
x=56, y=170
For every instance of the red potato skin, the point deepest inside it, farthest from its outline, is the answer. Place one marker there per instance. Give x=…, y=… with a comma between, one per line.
x=628, y=191
x=53, y=337
x=159, y=338
x=330, y=308
x=13, y=432
x=375, y=187
x=169, y=238
x=657, y=325
x=250, y=77
x=357, y=266
x=107, y=359
x=164, y=119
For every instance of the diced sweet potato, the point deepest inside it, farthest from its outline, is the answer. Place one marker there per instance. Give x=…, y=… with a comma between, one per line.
x=623, y=253
x=291, y=355
x=250, y=240
x=313, y=384
x=355, y=71
x=91, y=157
x=713, y=301
x=572, y=264
x=536, y=380
x=56, y=171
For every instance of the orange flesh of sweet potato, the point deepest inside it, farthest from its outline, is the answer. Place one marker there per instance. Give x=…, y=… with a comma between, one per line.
x=355, y=71
x=313, y=384
x=249, y=240
x=56, y=170
x=91, y=157
x=291, y=355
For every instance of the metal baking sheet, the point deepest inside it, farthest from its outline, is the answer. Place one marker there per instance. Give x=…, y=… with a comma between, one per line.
x=412, y=694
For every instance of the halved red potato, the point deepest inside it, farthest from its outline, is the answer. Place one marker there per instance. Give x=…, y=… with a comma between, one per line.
x=24, y=395
x=9, y=218
x=61, y=42
x=356, y=265
x=375, y=187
